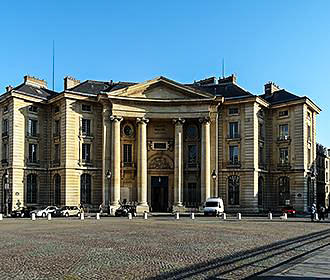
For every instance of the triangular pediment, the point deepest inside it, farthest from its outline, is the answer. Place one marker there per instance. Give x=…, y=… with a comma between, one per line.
x=161, y=89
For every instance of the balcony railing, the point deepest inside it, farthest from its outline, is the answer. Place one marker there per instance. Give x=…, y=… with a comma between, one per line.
x=233, y=164
x=33, y=162
x=235, y=136
x=32, y=134
x=283, y=138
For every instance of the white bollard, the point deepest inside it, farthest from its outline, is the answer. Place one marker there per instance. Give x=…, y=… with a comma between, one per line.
x=82, y=216
x=239, y=216
x=270, y=216
x=33, y=216
x=1, y=216
x=284, y=217
x=192, y=216
x=145, y=215
x=97, y=216
x=49, y=217
x=129, y=216
x=224, y=216
x=316, y=216
x=177, y=216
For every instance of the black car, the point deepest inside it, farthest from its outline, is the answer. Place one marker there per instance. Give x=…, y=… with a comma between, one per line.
x=124, y=209
x=22, y=212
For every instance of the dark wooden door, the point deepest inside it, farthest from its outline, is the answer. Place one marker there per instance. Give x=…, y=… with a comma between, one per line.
x=159, y=193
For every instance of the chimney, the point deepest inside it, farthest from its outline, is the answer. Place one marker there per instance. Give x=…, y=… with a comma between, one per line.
x=270, y=88
x=36, y=82
x=9, y=88
x=70, y=82
x=228, y=80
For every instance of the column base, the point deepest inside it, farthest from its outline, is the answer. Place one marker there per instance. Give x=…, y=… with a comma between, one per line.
x=142, y=208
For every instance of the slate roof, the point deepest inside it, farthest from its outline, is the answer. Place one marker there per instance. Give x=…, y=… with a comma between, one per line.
x=95, y=87
x=280, y=96
x=35, y=91
x=227, y=90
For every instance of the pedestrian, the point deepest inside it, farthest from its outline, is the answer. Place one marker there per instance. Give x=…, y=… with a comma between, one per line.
x=322, y=213
x=313, y=211
x=101, y=209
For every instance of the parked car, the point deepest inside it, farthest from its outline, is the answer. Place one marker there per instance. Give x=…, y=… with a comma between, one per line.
x=68, y=211
x=289, y=210
x=45, y=211
x=22, y=212
x=213, y=206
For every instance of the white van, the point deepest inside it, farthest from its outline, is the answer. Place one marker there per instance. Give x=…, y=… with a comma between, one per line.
x=214, y=206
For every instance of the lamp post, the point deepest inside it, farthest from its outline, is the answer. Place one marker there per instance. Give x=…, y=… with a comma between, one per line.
x=108, y=176
x=7, y=191
x=214, y=177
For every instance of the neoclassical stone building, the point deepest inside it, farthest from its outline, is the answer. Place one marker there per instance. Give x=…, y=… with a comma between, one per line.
x=164, y=145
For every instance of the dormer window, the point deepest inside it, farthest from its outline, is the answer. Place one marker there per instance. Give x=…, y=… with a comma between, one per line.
x=284, y=113
x=233, y=111
x=33, y=109
x=86, y=108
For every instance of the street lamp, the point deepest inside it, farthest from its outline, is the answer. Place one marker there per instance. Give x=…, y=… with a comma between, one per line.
x=108, y=176
x=7, y=191
x=214, y=177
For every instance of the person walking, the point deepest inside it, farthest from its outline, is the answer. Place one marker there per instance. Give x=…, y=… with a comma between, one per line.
x=313, y=211
x=322, y=213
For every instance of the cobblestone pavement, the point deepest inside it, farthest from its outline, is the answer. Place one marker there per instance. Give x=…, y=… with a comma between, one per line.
x=118, y=248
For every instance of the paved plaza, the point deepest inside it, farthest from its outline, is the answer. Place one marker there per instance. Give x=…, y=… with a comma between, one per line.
x=157, y=248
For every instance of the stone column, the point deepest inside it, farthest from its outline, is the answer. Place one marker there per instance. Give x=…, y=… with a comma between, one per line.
x=178, y=162
x=205, y=159
x=106, y=153
x=115, y=155
x=142, y=178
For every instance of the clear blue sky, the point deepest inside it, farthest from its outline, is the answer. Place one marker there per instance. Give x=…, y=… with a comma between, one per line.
x=287, y=42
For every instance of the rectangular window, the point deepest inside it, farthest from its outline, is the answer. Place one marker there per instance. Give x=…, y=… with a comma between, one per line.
x=309, y=135
x=56, y=109
x=57, y=153
x=261, y=155
x=86, y=108
x=309, y=156
x=86, y=127
x=233, y=154
x=326, y=177
x=283, y=113
x=192, y=155
x=57, y=127
x=33, y=109
x=86, y=152
x=5, y=152
x=5, y=127
x=127, y=154
x=32, y=127
x=5, y=109
x=233, y=130
x=284, y=155
x=284, y=131
x=233, y=111
x=33, y=153
x=261, y=131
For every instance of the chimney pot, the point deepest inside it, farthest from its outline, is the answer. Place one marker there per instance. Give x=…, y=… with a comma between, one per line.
x=70, y=82
x=271, y=87
x=33, y=81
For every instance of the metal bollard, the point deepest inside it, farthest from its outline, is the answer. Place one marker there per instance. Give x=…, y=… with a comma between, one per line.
x=129, y=216
x=82, y=216
x=177, y=216
x=239, y=216
x=33, y=216
x=270, y=216
x=1, y=216
x=145, y=215
x=224, y=216
x=192, y=216
x=49, y=217
x=97, y=216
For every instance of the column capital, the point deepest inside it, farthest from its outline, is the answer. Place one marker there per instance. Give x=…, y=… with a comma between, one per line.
x=142, y=120
x=205, y=120
x=179, y=121
x=116, y=118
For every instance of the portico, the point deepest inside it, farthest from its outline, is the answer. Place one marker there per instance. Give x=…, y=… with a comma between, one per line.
x=160, y=143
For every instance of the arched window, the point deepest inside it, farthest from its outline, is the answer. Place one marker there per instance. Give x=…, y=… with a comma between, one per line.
x=57, y=189
x=233, y=190
x=85, y=189
x=260, y=191
x=31, y=188
x=284, y=190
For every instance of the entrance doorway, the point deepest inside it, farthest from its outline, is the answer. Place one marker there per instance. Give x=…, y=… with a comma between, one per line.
x=159, y=193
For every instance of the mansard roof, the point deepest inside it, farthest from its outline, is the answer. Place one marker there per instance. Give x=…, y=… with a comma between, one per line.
x=280, y=96
x=96, y=87
x=35, y=91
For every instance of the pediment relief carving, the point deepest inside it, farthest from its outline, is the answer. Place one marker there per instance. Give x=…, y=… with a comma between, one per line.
x=160, y=162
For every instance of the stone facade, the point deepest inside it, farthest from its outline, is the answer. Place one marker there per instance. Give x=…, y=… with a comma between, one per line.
x=164, y=145
x=322, y=175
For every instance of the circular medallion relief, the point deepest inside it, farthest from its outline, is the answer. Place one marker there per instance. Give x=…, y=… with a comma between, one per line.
x=128, y=130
